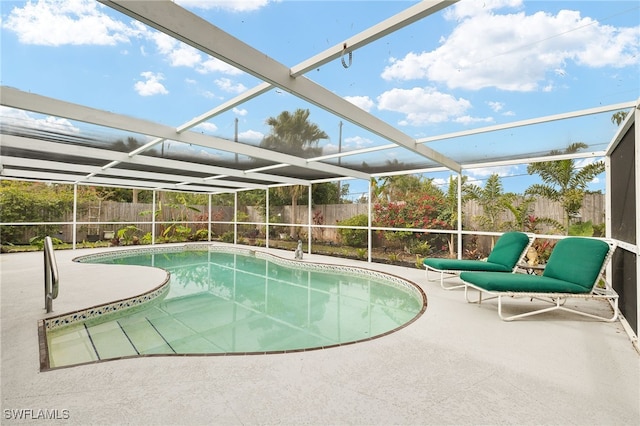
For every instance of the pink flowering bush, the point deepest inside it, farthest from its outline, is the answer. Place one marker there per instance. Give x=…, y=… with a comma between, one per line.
x=419, y=212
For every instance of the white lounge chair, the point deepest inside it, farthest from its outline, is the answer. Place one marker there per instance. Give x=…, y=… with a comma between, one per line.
x=508, y=251
x=573, y=271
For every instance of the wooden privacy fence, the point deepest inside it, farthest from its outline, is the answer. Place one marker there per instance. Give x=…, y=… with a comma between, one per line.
x=92, y=219
x=593, y=209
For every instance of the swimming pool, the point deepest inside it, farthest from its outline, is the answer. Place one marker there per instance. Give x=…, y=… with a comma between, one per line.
x=223, y=301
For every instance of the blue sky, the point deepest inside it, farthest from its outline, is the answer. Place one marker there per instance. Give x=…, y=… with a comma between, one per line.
x=475, y=64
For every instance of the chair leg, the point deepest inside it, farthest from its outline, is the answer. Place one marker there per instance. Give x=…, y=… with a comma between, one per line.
x=558, y=304
x=442, y=278
x=426, y=273
x=466, y=295
x=449, y=287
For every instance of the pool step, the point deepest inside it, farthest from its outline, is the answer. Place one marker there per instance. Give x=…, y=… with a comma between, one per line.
x=71, y=347
x=110, y=341
x=175, y=326
x=146, y=338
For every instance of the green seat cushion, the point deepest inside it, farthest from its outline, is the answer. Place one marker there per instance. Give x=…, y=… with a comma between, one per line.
x=577, y=260
x=508, y=249
x=464, y=265
x=502, y=258
x=496, y=281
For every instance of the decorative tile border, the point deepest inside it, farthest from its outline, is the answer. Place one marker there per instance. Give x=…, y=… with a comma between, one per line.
x=102, y=311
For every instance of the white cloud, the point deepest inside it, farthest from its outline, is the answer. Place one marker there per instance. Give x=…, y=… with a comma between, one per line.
x=516, y=52
x=240, y=111
x=250, y=136
x=228, y=86
x=151, y=86
x=207, y=127
x=583, y=162
x=213, y=65
x=479, y=176
x=495, y=106
x=57, y=23
x=441, y=182
x=357, y=142
x=467, y=119
x=470, y=8
x=177, y=53
x=423, y=105
x=16, y=117
x=363, y=102
x=185, y=56
x=485, y=172
x=203, y=153
x=230, y=5
x=82, y=22
x=348, y=144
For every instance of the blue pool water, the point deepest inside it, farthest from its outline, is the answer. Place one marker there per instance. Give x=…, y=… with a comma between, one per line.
x=241, y=302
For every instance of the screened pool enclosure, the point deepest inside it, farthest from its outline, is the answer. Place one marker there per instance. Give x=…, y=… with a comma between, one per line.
x=70, y=137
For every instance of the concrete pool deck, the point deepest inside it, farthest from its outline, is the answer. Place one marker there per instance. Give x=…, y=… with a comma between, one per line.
x=457, y=364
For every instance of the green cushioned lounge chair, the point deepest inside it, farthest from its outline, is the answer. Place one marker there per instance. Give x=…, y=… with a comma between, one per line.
x=573, y=271
x=509, y=250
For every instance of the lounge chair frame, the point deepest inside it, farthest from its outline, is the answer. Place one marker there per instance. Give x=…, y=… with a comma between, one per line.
x=453, y=273
x=556, y=300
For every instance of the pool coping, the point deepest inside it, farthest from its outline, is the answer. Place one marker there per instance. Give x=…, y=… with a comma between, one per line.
x=158, y=292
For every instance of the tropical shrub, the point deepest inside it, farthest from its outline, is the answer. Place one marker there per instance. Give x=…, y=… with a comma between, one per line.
x=39, y=242
x=581, y=229
x=128, y=235
x=227, y=237
x=421, y=211
x=32, y=202
x=354, y=237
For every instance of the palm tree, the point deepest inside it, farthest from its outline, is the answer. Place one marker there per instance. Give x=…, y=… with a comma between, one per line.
x=293, y=134
x=494, y=202
x=400, y=187
x=524, y=220
x=563, y=181
x=619, y=117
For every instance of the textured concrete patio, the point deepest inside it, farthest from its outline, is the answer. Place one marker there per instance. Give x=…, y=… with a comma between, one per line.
x=457, y=364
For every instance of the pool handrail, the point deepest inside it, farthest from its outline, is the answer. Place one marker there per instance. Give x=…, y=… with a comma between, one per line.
x=51, y=278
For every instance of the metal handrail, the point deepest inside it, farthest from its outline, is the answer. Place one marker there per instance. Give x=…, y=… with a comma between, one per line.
x=51, y=278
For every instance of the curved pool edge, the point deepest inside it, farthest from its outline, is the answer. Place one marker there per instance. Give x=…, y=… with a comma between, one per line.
x=161, y=290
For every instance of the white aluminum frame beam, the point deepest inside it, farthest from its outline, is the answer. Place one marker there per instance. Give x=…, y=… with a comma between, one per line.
x=15, y=98
x=134, y=175
x=179, y=23
x=532, y=121
x=104, y=181
x=83, y=151
x=529, y=160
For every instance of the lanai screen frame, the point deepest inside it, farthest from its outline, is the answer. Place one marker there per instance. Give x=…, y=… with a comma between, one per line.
x=167, y=17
